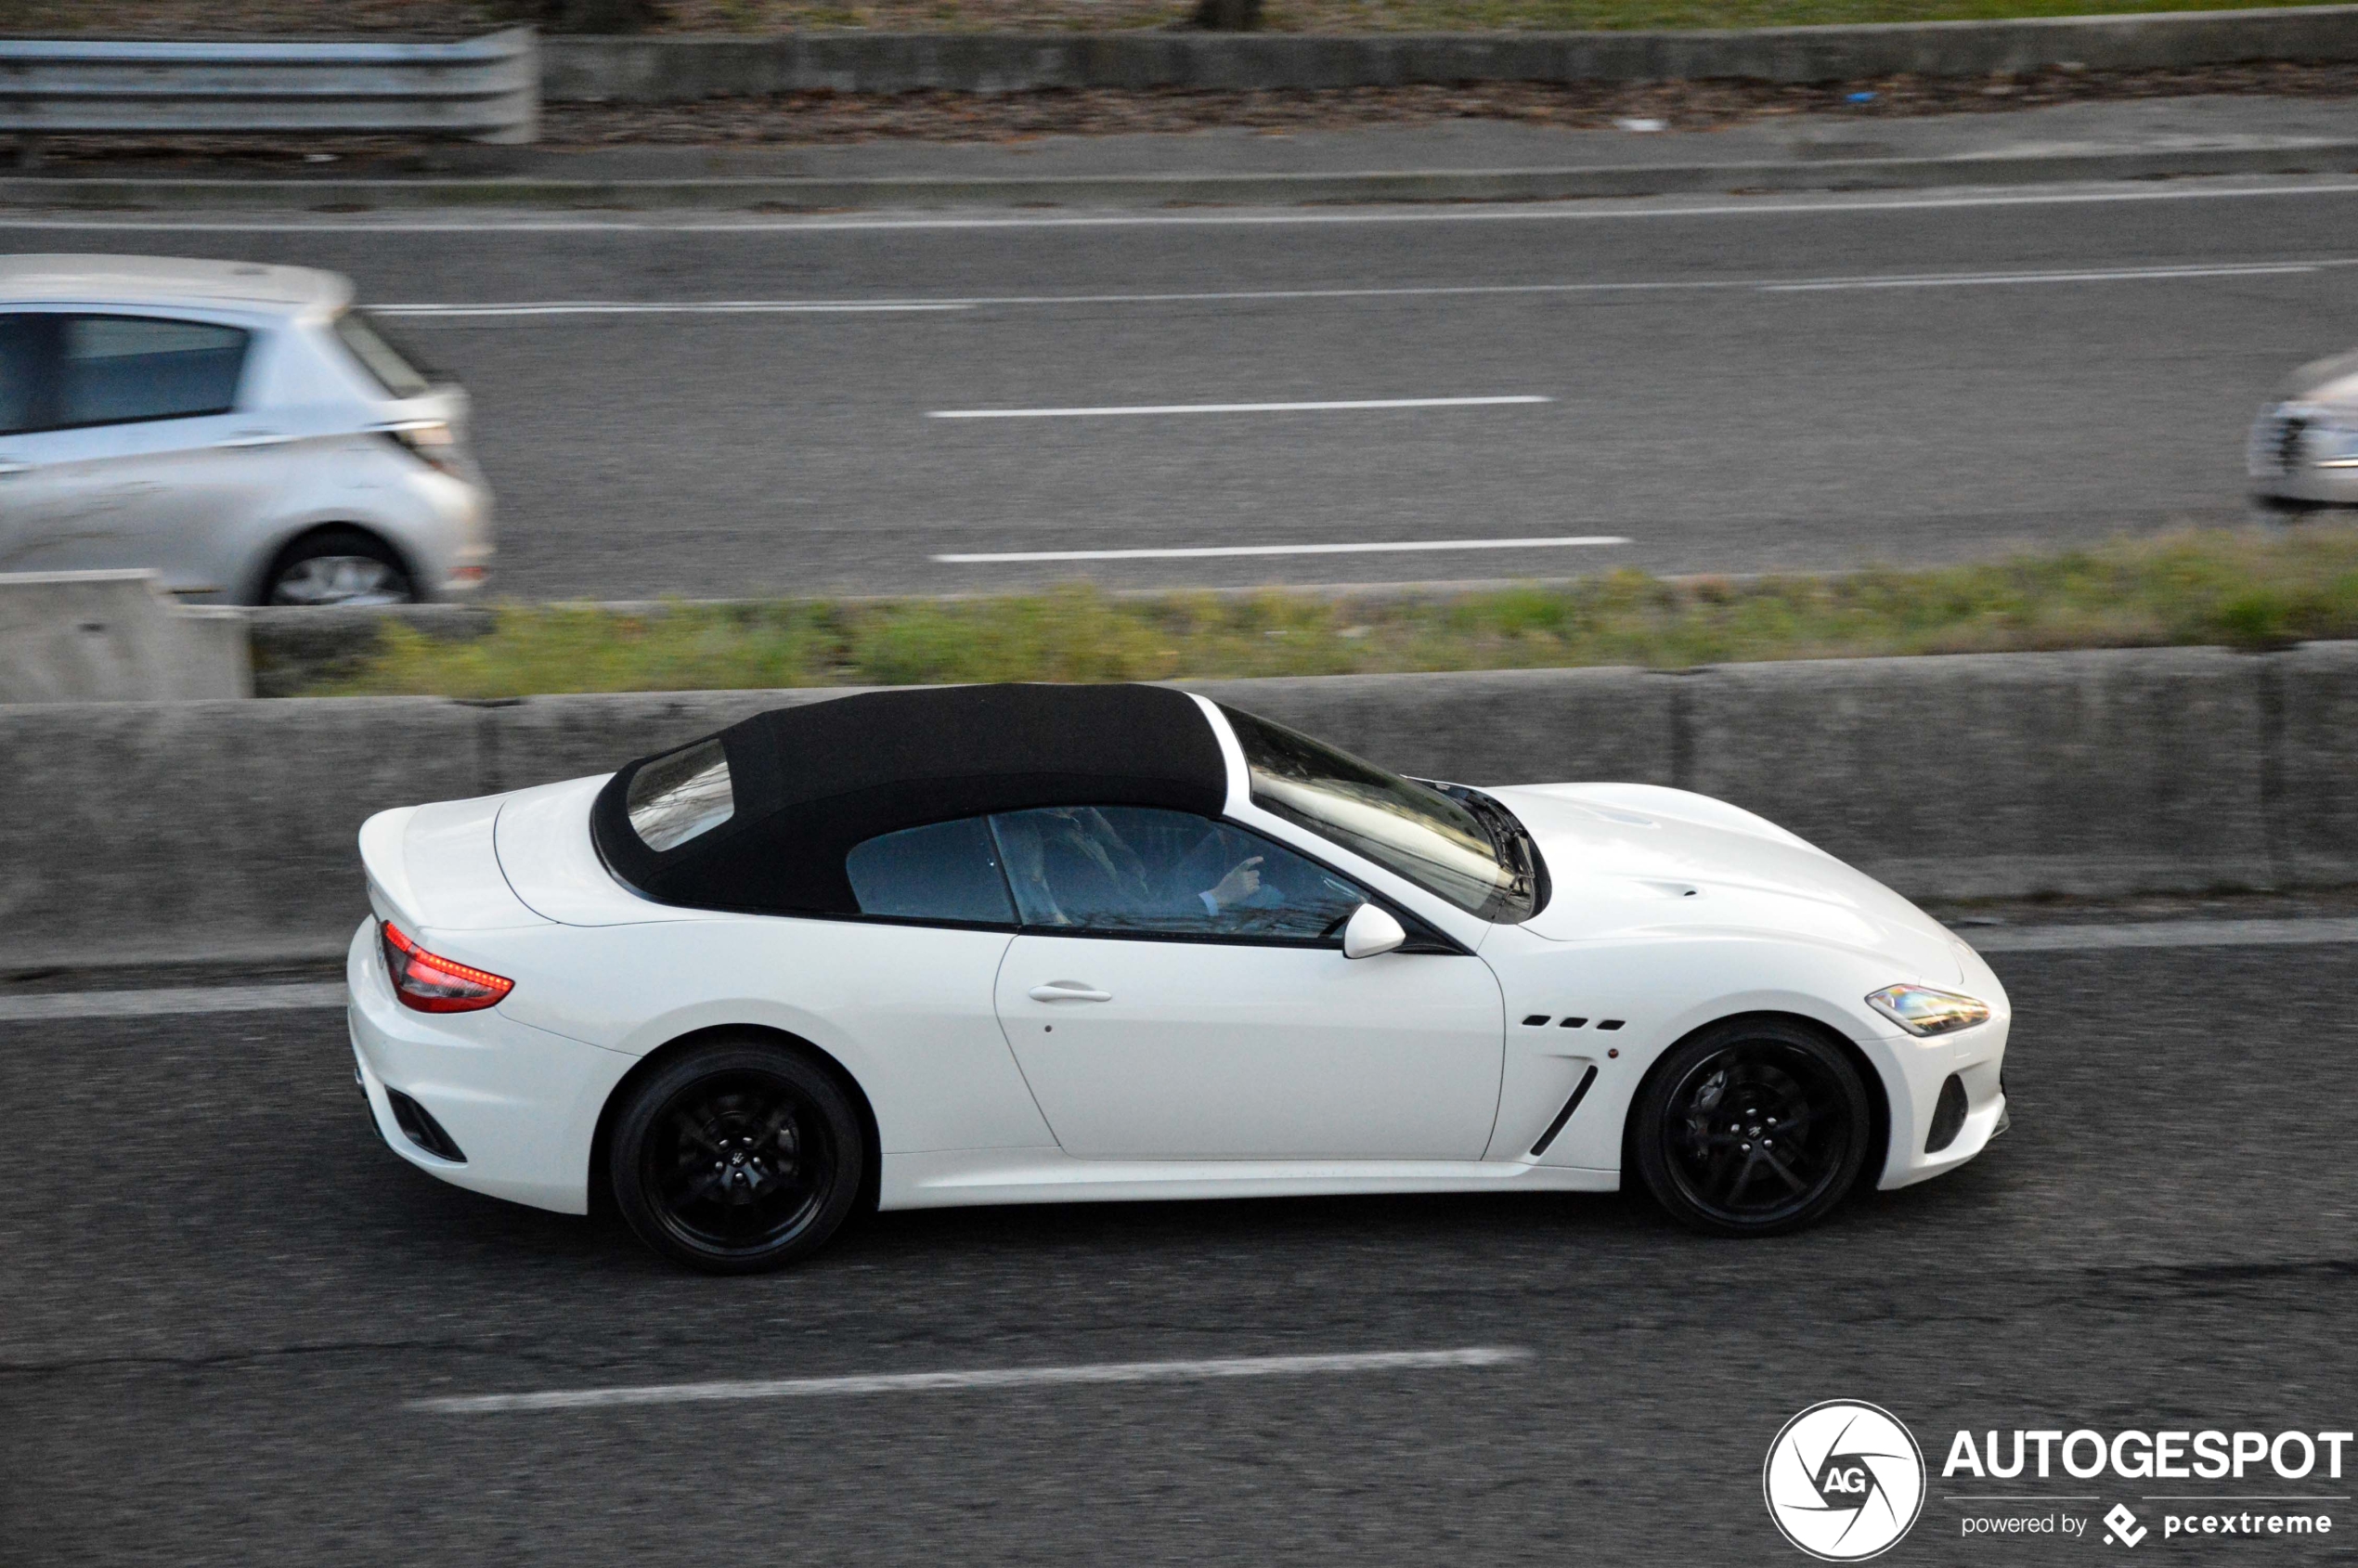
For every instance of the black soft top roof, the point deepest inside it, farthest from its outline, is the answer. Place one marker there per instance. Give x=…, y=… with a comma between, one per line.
x=811, y=781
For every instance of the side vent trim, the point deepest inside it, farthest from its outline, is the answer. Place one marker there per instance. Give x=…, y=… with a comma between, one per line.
x=1578, y=1094
x=416, y=1123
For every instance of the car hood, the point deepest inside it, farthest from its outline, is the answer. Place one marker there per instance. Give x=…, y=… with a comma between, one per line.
x=1630, y=859
x=2331, y=380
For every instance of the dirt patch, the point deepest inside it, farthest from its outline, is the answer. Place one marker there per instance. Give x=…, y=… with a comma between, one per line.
x=322, y=19
x=821, y=118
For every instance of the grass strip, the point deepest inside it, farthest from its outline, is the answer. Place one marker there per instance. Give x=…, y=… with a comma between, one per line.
x=2251, y=589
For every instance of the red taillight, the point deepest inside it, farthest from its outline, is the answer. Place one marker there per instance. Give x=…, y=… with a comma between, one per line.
x=433, y=984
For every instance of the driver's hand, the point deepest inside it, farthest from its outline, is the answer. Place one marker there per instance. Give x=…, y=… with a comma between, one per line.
x=1238, y=885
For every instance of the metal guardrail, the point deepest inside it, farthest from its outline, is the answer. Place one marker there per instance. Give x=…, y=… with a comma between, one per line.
x=487, y=88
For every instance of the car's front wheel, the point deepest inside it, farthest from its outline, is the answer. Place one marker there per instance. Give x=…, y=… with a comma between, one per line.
x=738, y=1154
x=1751, y=1128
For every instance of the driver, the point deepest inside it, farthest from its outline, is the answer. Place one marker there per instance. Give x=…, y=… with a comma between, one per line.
x=1076, y=852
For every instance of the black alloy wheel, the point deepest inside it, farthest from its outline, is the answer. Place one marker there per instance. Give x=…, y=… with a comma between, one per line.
x=1751, y=1128
x=737, y=1155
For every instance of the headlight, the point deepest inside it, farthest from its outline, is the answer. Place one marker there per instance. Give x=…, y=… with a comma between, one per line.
x=1919, y=1009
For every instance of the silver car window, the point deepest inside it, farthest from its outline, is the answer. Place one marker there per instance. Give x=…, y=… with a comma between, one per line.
x=23, y=345
x=114, y=369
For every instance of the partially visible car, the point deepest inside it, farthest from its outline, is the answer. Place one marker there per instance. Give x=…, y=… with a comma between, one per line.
x=2303, y=449
x=242, y=430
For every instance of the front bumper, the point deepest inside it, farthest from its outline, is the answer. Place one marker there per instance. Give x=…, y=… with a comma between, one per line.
x=448, y=536
x=521, y=1103
x=2301, y=453
x=1977, y=1057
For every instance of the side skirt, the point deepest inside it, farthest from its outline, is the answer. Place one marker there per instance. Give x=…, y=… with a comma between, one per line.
x=961, y=1177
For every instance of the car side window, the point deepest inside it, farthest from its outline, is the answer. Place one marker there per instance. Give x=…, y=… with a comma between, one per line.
x=946, y=872
x=114, y=369
x=1145, y=871
x=24, y=343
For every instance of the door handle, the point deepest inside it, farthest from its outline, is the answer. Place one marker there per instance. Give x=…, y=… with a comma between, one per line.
x=9, y=468
x=256, y=438
x=1069, y=990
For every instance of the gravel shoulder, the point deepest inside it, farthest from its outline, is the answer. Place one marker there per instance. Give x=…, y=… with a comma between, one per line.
x=455, y=17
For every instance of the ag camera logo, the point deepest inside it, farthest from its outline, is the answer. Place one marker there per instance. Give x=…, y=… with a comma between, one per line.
x=1845, y=1480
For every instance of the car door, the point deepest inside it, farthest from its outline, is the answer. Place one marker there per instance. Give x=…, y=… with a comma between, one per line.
x=146, y=460
x=1178, y=991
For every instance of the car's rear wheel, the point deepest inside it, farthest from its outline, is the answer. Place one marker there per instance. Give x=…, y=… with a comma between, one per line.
x=738, y=1154
x=339, y=567
x=1751, y=1128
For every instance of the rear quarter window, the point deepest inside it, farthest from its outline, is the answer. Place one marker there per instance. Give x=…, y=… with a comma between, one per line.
x=680, y=796
x=946, y=872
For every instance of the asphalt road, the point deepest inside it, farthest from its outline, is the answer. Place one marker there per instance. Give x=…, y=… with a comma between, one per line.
x=1953, y=397
x=219, y=1291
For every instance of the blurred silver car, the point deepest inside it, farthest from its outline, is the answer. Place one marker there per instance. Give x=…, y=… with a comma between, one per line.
x=2304, y=447
x=242, y=430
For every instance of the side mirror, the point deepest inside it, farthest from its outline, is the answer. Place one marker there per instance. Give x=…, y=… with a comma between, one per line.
x=1371, y=930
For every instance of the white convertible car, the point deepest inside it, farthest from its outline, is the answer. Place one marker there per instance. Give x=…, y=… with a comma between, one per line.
x=1014, y=944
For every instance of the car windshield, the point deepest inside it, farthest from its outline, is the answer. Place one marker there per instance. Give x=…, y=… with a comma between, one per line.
x=1442, y=845
x=395, y=370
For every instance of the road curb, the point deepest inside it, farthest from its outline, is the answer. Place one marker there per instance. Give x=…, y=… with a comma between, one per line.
x=681, y=69
x=818, y=194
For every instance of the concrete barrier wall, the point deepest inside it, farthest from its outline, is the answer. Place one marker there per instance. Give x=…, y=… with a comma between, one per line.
x=152, y=832
x=115, y=636
x=673, y=70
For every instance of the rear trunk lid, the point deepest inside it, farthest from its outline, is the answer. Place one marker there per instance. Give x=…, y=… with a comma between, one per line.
x=435, y=868
x=555, y=870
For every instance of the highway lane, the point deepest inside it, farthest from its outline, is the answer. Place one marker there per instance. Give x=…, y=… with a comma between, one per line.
x=219, y=1294
x=1985, y=373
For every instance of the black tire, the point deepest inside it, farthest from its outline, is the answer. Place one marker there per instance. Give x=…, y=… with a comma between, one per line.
x=738, y=1154
x=331, y=566
x=1753, y=1127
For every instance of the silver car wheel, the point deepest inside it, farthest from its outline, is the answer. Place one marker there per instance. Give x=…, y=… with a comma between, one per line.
x=340, y=580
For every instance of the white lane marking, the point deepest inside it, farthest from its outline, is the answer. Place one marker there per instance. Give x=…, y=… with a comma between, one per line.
x=1200, y=552
x=990, y=1378
x=1586, y=209
x=670, y=307
x=169, y=1000
x=1330, y=406
x=435, y=311
x=2305, y=932
x=2122, y=275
